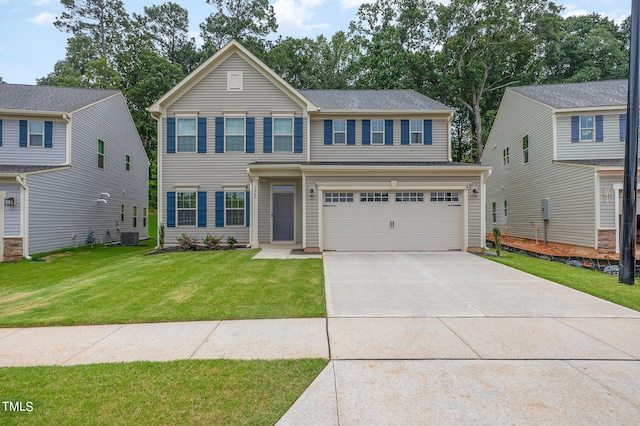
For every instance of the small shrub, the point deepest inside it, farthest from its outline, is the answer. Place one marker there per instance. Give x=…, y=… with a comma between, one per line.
x=211, y=241
x=231, y=242
x=496, y=239
x=161, y=236
x=188, y=242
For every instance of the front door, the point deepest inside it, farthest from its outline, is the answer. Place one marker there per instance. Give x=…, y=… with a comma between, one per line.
x=283, y=212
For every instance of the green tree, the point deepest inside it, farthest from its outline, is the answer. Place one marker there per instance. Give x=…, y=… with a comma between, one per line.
x=248, y=21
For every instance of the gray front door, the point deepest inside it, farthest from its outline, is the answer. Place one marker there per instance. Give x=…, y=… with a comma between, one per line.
x=283, y=216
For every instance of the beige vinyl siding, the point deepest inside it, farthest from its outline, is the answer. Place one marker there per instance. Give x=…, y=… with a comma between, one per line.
x=611, y=148
x=211, y=172
x=64, y=203
x=11, y=214
x=608, y=200
x=12, y=153
x=474, y=204
x=438, y=151
x=570, y=189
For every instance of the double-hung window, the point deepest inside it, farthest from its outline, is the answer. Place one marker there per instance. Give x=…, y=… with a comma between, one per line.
x=187, y=208
x=494, y=213
x=234, y=208
x=234, y=133
x=587, y=128
x=186, y=134
x=100, y=154
x=505, y=156
x=135, y=216
x=505, y=208
x=339, y=132
x=416, y=132
x=127, y=161
x=283, y=134
x=144, y=216
x=122, y=213
x=36, y=133
x=525, y=149
x=377, y=132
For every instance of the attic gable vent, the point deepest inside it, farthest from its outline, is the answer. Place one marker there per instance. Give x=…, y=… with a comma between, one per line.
x=234, y=80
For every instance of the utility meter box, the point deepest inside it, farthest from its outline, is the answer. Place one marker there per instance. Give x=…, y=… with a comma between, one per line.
x=545, y=209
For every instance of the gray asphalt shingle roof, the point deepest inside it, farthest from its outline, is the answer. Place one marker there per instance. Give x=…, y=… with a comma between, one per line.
x=365, y=100
x=576, y=95
x=48, y=98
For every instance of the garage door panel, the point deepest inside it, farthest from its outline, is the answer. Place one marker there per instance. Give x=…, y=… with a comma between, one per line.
x=401, y=223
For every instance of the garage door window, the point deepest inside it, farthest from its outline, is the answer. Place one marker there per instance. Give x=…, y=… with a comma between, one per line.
x=338, y=197
x=374, y=197
x=409, y=197
x=444, y=196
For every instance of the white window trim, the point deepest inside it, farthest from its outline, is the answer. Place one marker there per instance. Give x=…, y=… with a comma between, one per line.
x=273, y=131
x=230, y=77
x=412, y=132
x=184, y=208
x=333, y=135
x=244, y=209
x=29, y=133
x=188, y=117
x=244, y=135
x=372, y=132
x=593, y=129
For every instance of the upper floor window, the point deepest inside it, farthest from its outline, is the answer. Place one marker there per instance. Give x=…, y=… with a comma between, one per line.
x=416, y=132
x=525, y=149
x=494, y=213
x=505, y=156
x=127, y=161
x=100, y=154
x=234, y=208
x=234, y=134
x=187, y=208
x=283, y=134
x=587, y=128
x=339, y=132
x=186, y=134
x=36, y=133
x=377, y=132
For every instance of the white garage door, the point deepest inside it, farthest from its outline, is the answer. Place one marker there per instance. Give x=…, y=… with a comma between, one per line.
x=378, y=221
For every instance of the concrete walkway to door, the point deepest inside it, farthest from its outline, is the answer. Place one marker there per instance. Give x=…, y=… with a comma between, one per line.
x=451, y=338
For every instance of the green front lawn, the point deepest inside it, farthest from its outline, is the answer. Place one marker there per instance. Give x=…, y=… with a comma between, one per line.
x=592, y=282
x=212, y=392
x=105, y=285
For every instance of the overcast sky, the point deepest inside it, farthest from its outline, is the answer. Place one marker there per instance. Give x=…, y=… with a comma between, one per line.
x=30, y=44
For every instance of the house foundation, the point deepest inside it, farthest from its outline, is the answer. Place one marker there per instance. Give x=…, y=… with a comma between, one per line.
x=607, y=241
x=12, y=249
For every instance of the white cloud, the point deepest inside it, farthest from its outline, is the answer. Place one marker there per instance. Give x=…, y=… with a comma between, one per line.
x=293, y=16
x=571, y=10
x=353, y=4
x=45, y=18
x=41, y=2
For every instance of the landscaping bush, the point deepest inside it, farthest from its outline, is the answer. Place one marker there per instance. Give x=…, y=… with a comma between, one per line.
x=496, y=239
x=188, y=242
x=212, y=242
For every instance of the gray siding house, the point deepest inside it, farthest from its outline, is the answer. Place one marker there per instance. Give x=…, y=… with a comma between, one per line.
x=71, y=164
x=564, y=143
x=244, y=154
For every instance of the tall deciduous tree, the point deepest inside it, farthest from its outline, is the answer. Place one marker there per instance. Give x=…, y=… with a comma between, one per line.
x=248, y=21
x=485, y=46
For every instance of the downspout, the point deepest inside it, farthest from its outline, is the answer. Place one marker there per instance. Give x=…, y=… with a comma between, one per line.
x=24, y=215
x=483, y=212
x=67, y=118
x=159, y=183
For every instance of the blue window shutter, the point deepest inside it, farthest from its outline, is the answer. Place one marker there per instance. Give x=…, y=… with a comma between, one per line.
x=171, y=135
x=219, y=209
x=599, y=129
x=267, y=146
x=366, y=132
x=247, y=206
x=251, y=136
x=23, y=133
x=575, y=128
x=428, y=132
x=388, y=132
x=48, y=134
x=171, y=209
x=404, y=132
x=328, y=132
x=0, y=132
x=351, y=132
x=202, y=135
x=219, y=135
x=297, y=136
x=202, y=209
x=623, y=127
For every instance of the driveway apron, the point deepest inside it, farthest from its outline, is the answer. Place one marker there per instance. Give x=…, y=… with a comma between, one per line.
x=452, y=338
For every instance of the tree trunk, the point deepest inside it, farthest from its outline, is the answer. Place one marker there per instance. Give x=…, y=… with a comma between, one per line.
x=477, y=123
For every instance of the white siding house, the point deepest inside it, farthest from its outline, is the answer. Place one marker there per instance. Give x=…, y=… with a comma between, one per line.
x=564, y=143
x=70, y=160
x=244, y=154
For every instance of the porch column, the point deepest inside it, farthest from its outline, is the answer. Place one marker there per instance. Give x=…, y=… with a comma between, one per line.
x=255, y=207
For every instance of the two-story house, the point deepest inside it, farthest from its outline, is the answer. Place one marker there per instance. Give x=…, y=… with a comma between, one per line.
x=244, y=154
x=71, y=166
x=563, y=143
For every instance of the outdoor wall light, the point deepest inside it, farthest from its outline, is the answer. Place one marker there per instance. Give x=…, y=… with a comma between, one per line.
x=311, y=192
x=475, y=192
x=10, y=201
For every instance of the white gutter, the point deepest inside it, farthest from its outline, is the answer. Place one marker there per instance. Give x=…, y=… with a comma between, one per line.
x=483, y=207
x=67, y=118
x=24, y=215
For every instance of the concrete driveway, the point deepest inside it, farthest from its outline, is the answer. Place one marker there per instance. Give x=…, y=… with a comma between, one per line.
x=451, y=338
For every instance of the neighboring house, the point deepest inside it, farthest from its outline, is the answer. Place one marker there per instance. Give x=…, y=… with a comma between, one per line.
x=244, y=154
x=564, y=143
x=71, y=164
